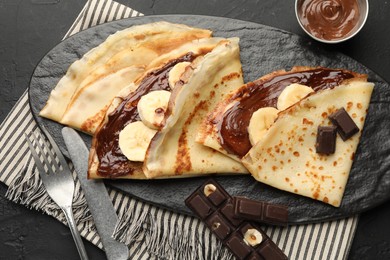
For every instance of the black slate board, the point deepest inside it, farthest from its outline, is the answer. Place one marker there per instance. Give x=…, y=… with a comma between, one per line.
x=263, y=50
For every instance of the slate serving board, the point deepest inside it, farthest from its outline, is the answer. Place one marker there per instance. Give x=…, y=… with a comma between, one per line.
x=263, y=50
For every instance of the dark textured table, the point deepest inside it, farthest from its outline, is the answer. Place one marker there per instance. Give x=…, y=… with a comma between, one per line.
x=31, y=28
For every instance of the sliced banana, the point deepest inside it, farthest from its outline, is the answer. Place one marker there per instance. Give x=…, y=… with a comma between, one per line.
x=152, y=106
x=260, y=121
x=134, y=140
x=176, y=72
x=292, y=94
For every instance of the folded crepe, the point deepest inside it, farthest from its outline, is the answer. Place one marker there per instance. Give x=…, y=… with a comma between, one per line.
x=226, y=128
x=108, y=158
x=173, y=151
x=286, y=158
x=82, y=96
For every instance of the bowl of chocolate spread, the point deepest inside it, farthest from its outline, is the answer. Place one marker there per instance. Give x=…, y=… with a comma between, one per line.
x=331, y=21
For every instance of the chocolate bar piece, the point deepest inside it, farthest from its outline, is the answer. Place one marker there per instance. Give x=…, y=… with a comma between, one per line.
x=228, y=212
x=215, y=196
x=346, y=127
x=238, y=246
x=200, y=206
x=219, y=226
x=326, y=139
x=245, y=239
x=260, y=211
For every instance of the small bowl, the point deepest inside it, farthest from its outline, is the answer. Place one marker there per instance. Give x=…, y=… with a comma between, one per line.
x=363, y=14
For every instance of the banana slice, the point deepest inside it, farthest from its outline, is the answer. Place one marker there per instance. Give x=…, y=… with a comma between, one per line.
x=260, y=121
x=152, y=106
x=134, y=140
x=176, y=72
x=292, y=94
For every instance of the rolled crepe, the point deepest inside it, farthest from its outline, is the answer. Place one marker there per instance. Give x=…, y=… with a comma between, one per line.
x=106, y=158
x=173, y=151
x=82, y=96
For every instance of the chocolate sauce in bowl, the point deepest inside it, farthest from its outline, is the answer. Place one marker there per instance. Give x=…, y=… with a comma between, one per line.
x=329, y=19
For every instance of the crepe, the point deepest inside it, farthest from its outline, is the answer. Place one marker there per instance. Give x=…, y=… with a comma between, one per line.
x=106, y=137
x=81, y=97
x=173, y=151
x=286, y=157
x=225, y=129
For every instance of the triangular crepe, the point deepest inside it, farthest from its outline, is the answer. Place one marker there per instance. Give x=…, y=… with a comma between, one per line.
x=84, y=93
x=286, y=157
x=226, y=128
x=106, y=158
x=173, y=150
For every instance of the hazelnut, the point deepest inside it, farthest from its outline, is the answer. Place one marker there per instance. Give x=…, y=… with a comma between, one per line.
x=253, y=237
x=215, y=225
x=208, y=189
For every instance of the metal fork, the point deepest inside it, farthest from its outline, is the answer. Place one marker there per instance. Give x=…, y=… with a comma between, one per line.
x=59, y=183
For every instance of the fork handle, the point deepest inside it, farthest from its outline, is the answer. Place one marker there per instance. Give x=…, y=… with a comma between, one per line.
x=75, y=233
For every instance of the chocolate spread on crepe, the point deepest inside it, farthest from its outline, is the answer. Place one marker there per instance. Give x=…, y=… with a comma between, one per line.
x=232, y=128
x=112, y=161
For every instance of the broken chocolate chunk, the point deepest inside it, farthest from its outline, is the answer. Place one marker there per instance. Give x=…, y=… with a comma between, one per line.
x=326, y=139
x=346, y=127
x=260, y=211
x=246, y=208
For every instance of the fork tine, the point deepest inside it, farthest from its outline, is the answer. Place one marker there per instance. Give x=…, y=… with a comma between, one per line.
x=49, y=153
x=37, y=160
x=55, y=147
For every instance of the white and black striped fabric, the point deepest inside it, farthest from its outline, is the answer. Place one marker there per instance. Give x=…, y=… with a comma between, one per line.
x=149, y=231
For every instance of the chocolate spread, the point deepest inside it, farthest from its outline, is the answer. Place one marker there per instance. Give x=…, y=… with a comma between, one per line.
x=112, y=162
x=233, y=127
x=330, y=19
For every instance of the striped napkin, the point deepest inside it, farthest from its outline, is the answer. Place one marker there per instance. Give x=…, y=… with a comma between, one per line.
x=150, y=232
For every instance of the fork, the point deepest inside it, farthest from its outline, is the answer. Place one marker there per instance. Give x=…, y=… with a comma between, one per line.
x=59, y=182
